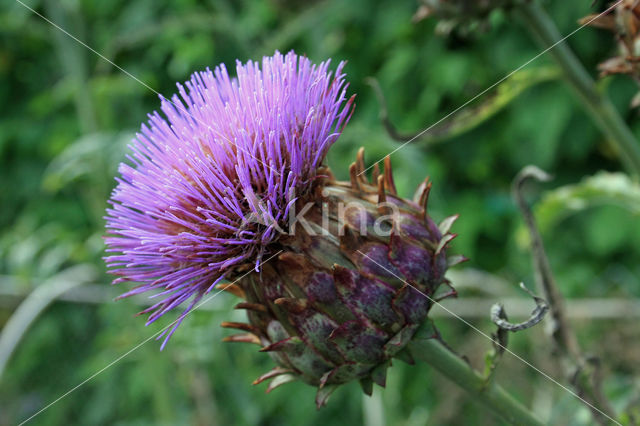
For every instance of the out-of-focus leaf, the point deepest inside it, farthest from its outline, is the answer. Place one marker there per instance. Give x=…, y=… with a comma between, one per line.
x=15, y=329
x=93, y=156
x=604, y=188
x=470, y=117
x=31, y=251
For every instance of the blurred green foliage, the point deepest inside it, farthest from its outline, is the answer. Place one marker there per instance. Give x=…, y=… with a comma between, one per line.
x=67, y=116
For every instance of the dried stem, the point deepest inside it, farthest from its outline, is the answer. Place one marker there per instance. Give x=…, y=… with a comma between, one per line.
x=560, y=329
x=501, y=336
x=499, y=316
x=587, y=384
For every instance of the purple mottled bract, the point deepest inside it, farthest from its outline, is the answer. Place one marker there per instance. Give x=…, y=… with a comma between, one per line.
x=227, y=149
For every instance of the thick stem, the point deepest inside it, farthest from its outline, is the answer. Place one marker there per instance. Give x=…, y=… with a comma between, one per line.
x=489, y=394
x=601, y=109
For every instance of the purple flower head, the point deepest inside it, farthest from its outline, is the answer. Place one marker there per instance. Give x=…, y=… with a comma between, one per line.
x=229, y=150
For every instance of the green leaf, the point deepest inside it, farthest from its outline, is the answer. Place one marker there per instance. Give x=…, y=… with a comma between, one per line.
x=604, y=188
x=471, y=117
x=93, y=157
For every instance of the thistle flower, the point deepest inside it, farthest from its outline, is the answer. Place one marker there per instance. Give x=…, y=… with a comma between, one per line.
x=178, y=221
x=236, y=176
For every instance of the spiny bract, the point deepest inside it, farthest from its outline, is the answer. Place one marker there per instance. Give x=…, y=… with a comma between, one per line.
x=350, y=289
x=212, y=192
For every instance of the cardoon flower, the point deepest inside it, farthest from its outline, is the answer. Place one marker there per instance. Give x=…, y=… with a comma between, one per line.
x=232, y=185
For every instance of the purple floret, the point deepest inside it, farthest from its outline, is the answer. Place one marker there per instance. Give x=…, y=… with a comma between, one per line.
x=206, y=187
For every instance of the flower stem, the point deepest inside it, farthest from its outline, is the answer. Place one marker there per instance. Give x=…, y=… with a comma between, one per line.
x=491, y=395
x=601, y=109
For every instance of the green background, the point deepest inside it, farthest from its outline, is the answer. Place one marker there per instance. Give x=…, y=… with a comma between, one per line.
x=67, y=116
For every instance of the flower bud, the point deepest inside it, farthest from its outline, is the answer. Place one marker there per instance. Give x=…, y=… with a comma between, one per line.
x=350, y=287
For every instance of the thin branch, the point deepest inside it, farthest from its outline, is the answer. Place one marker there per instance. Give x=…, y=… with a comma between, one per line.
x=467, y=117
x=585, y=375
x=384, y=114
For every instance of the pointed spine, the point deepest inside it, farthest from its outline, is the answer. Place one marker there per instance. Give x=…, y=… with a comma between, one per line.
x=295, y=306
x=451, y=293
x=375, y=172
x=233, y=289
x=353, y=176
x=379, y=374
x=288, y=344
x=419, y=190
x=323, y=394
x=382, y=196
x=388, y=175
x=241, y=326
x=360, y=167
x=256, y=307
x=280, y=380
x=277, y=371
x=243, y=338
x=367, y=385
x=447, y=223
x=424, y=196
x=444, y=242
x=456, y=259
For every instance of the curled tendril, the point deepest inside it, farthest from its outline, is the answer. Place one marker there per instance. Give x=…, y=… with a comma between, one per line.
x=499, y=317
